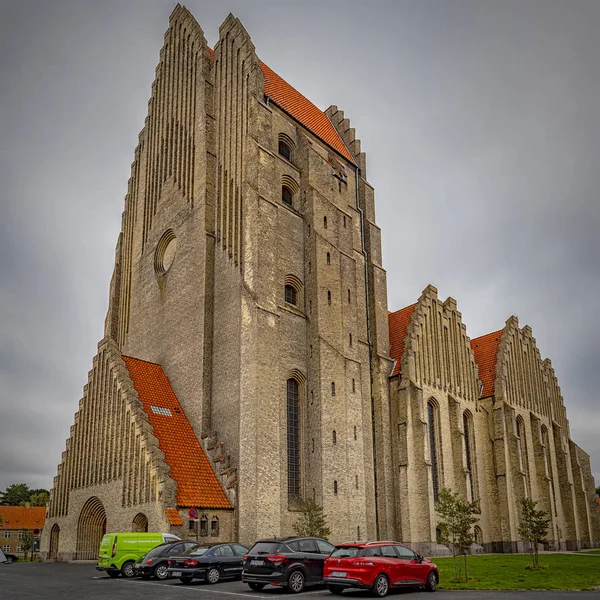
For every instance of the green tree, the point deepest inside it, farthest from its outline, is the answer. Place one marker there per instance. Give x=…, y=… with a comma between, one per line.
x=27, y=542
x=598, y=490
x=40, y=498
x=457, y=518
x=533, y=528
x=312, y=521
x=15, y=494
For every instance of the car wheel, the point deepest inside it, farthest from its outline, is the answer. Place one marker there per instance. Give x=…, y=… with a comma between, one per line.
x=257, y=587
x=186, y=580
x=127, y=570
x=8, y=561
x=161, y=572
x=112, y=574
x=213, y=575
x=432, y=581
x=296, y=582
x=336, y=590
x=381, y=586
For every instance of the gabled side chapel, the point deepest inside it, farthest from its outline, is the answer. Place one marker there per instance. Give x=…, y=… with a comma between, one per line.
x=249, y=360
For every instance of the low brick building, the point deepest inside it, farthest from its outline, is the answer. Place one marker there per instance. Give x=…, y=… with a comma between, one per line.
x=15, y=521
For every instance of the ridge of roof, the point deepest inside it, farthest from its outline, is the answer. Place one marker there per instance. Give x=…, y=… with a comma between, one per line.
x=398, y=325
x=485, y=350
x=197, y=482
x=21, y=517
x=301, y=109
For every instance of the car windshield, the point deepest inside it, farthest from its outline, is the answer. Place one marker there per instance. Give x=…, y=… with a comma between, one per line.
x=346, y=552
x=269, y=548
x=157, y=551
x=197, y=551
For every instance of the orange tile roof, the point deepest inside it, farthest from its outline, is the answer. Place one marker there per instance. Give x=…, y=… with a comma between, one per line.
x=485, y=349
x=174, y=516
x=398, y=324
x=301, y=109
x=19, y=517
x=197, y=483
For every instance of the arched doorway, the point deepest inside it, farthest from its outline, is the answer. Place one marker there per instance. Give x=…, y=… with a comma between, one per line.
x=90, y=529
x=140, y=522
x=54, y=534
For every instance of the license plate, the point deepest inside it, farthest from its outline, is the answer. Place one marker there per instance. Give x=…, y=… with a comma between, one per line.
x=257, y=562
x=176, y=573
x=338, y=574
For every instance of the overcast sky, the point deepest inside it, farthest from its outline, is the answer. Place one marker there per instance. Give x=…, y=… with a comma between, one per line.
x=481, y=123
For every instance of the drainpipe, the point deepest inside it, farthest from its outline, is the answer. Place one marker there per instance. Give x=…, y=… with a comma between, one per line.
x=373, y=428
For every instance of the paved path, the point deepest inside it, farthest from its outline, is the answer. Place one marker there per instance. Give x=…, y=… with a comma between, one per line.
x=49, y=581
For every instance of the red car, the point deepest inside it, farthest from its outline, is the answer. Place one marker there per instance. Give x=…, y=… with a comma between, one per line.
x=378, y=566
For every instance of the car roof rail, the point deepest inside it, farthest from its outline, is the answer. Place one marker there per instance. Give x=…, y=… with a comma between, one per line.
x=382, y=542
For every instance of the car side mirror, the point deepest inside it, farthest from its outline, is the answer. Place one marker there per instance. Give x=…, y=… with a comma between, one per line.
x=419, y=558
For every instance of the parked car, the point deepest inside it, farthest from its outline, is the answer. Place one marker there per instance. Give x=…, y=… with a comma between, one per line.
x=378, y=566
x=210, y=562
x=156, y=562
x=7, y=558
x=120, y=551
x=292, y=563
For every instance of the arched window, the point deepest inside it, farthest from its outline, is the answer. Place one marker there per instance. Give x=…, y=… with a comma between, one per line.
x=335, y=489
x=293, y=438
x=334, y=437
x=433, y=447
x=328, y=258
x=291, y=295
x=214, y=527
x=470, y=455
x=285, y=150
x=285, y=146
x=287, y=197
x=522, y=452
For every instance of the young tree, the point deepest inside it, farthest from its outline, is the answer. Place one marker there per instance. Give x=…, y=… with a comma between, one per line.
x=15, y=494
x=457, y=518
x=40, y=498
x=533, y=528
x=311, y=521
x=27, y=543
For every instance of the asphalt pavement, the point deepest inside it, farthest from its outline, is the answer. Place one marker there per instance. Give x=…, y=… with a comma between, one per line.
x=60, y=581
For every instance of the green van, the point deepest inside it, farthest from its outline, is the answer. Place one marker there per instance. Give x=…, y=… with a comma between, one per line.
x=120, y=551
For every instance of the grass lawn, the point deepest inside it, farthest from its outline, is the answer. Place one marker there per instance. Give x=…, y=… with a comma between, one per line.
x=596, y=551
x=508, y=572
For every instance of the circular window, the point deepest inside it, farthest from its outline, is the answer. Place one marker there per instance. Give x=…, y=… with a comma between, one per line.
x=165, y=252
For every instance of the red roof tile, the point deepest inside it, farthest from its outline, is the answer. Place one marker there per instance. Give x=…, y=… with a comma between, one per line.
x=485, y=349
x=173, y=516
x=197, y=483
x=20, y=517
x=302, y=109
x=398, y=323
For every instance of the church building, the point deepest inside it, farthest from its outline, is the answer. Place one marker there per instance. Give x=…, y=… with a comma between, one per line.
x=249, y=361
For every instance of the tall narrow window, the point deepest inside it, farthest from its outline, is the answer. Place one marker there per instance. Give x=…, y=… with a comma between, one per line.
x=350, y=338
x=356, y=481
x=431, y=422
x=328, y=258
x=329, y=297
x=287, y=197
x=353, y=385
x=355, y=432
x=335, y=487
x=293, y=439
x=348, y=295
x=548, y=466
x=333, y=388
x=344, y=220
x=324, y=222
x=285, y=150
x=334, y=437
x=470, y=455
x=291, y=295
x=522, y=451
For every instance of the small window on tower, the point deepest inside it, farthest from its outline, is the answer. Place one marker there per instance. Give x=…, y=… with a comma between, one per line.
x=325, y=222
x=353, y=386
x=328, y=258
x=291, y=295
x=335, y=488
x=329, y=297
x=348, y=295
x=344, y=220
x=334, y=437
x=355, y=432
x=333, y=388
x=286, y=195
x=350, y=338
x=285, y=150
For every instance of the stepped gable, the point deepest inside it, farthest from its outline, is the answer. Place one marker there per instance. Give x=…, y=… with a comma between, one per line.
x=398, y=324
x=197, y=483
x=291, y=101
x=485, y=349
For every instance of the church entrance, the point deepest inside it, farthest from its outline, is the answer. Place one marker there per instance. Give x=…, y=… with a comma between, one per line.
x=90, y=529
x=54, y=534
x=140, y=522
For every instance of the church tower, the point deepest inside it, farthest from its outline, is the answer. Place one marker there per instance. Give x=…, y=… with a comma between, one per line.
x=245, y=361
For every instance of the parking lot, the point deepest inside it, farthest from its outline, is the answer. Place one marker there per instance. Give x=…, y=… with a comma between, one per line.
x=50, y=581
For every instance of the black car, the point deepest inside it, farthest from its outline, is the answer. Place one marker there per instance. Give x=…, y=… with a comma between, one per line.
x=155, y=563
x=208, y=562
x=291, y=562
x=11, y=558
